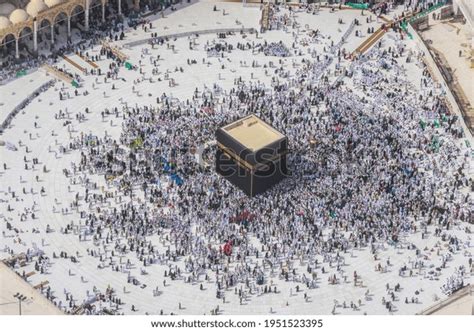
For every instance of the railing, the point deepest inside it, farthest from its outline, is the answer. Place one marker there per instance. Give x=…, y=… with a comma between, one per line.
x=438, y=76
x=336, y=47
x=186, y=34
x=343, y=38
x=24, y=103
x=467, y=12
x=343, y=74
x=466, y=290
x=40, y=302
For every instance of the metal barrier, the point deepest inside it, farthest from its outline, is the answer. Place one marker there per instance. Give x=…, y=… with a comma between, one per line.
x=343, y=38
x=24, y=103
x=336, y=47
x=187, y=34
x=466, y=290
x=438, y=76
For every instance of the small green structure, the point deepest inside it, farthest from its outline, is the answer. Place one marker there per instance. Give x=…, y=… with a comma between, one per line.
x=21, y=73
x=427, y=11
x=358, y=5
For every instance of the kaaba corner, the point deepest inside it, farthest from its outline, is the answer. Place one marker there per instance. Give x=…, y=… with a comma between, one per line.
x=251, y=154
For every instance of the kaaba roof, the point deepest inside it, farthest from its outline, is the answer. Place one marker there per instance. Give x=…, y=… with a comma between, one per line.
x=252, y=132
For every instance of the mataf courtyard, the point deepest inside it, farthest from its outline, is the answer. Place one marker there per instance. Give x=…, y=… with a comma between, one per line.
x=110, y=202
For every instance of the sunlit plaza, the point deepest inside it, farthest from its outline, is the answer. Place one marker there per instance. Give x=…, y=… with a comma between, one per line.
x=109, y=198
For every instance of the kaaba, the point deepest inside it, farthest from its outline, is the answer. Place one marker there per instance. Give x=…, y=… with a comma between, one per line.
x=251, y=154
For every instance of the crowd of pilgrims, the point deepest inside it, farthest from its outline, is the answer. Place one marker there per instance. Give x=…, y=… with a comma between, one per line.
x=371, y=163
x=364, y=171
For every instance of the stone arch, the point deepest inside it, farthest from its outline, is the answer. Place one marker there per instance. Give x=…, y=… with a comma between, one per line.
x=77, y=15
x=25, y=38
x=7, y=44
x=42, y=20
x=74, y=7
x=58, y=14
x=21, y=30
x=44, y=28
x=4, y=37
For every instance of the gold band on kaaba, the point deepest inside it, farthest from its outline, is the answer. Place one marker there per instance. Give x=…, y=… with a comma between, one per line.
x=245, y=164
x=235, y=157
